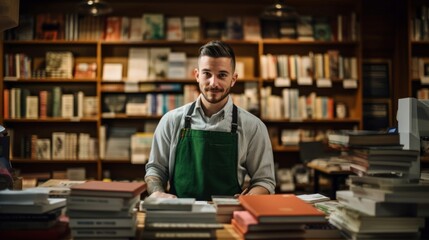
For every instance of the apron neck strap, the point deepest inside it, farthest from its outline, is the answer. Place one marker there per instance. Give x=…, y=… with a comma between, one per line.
x=234, y=124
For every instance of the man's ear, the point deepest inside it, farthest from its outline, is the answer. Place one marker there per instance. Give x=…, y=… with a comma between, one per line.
x=196, y=74
x=234, y=79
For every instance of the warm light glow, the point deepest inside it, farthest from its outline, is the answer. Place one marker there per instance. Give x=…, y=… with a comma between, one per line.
x=90, y=2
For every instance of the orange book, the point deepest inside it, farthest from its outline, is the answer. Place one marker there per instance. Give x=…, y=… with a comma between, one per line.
x=6, y=96
x=108, y=189
x=277, y=208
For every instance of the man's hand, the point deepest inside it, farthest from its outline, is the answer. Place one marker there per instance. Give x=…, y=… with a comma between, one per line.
x=158, y=194
x=256, y=190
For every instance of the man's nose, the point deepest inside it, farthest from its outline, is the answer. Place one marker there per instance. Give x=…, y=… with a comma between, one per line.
x=214, y=81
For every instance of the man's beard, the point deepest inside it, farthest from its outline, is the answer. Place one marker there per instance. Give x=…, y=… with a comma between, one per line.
x=206, y=91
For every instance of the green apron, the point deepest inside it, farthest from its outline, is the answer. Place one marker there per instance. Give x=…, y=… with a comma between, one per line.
x=206, y=162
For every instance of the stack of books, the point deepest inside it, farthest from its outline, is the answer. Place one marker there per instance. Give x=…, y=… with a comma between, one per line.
x=382, y=208
x=179, y=218
x=225, y=206
x=280, y=216
x=98, y=209
x=372, y=153
x=31, y=214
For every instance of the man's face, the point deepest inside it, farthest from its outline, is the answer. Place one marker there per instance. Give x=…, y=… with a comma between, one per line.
x=215, y=78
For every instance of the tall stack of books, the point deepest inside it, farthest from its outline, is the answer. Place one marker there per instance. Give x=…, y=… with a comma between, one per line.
x=280, y=216
x=99, y=209
x=179, y=218
x=384, y=201
x=31, y=214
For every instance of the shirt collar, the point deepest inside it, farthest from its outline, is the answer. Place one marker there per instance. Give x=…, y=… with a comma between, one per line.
x=227, y=108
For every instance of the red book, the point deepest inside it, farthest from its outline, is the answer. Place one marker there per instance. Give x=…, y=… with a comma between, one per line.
x=60, y=231
x=284, y=208
x=6, y=96
x=108, y=189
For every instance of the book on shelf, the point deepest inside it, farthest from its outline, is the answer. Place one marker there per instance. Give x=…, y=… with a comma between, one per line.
x=281, y=208
x=158, y=62
x=59, y=64
x=176, y=204
x=181, y=226
x=363, y=138
x=125, y=28
x=176, y=65
x=112, y=189
x=85, y=70
x=53, y=203
x=174, y=29
x=179, y=234
x=112, y=30
x=112, y=72
x=191, y=28
x=58, y=145
x=153, y=26
x=305, y=28
x=138, y=64
x=214, y=29
x=32, y=107
x=50, y=26
x=136, y=31
x=234, y=28
x=43, y=149
x=251, y=28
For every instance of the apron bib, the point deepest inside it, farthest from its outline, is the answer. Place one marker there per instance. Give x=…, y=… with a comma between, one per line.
x=206, y=162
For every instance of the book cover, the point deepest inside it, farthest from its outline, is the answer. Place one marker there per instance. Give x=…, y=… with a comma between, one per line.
x=43, y=149
x=153, y=26
x=112, y=72
x=158, y=62
x=174, y=29
x=58, y=145
x=177, y=65
x=138, y=64
x=85, y=70
x=251, y=28
x=91, y=203
x=136, y=29
x=50, y=26
x=112, y=31
x=114, y=189
x=103, y=222
x=234, y=28
x=191, y=28
x=281, y=208
x=363, y=138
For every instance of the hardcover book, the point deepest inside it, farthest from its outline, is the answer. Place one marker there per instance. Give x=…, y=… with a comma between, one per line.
x=284, y=208
x=153, y=26
x=113, y=189
x=178, y=204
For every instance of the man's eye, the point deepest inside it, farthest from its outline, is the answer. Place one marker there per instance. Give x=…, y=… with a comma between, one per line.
x=223, y=76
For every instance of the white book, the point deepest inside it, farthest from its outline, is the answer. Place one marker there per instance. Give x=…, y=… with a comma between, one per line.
x=43, y=149
x=80, y=106
x=102, y=142
x=141, y=144
x=32, y=107
x=53, y=203
x=67, y=105
x=158, y=62
x=138, y=64
x=58, y=145
x=112, y=72
x=103, y=232
x=191, y=28
x=100, y=203
x=177, y=65
x=90, y=106
x=136, y=29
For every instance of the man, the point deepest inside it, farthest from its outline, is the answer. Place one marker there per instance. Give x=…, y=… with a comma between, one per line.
x=207, y=147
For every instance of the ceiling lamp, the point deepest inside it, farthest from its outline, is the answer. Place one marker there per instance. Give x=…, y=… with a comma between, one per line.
x=279, y=11
x=94, y=7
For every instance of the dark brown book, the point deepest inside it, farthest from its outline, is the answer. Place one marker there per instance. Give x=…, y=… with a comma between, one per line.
x=111, y=189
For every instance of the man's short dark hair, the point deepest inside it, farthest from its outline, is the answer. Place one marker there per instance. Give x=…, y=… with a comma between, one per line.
x=217, y=49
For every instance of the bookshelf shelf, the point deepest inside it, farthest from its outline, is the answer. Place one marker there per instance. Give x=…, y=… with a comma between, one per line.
x=52, y=120
x=35, y=161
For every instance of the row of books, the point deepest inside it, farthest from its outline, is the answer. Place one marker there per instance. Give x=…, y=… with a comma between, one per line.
x=151, y=26
x=149, y=104
x=295, y=107
x=330, y=65
x=61, y=146
x=421, y=23
x=26, y=103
